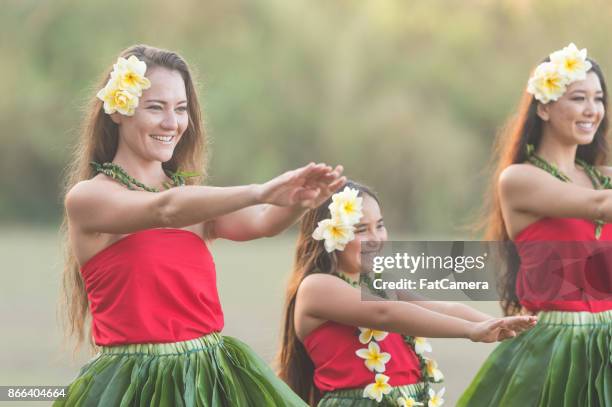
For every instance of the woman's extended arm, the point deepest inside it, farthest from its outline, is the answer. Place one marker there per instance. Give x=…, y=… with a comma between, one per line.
x=268, y=220
x=106, y=207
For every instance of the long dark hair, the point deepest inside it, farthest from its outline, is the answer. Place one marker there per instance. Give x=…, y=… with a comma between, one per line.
x=294, y=365
x=525, y=127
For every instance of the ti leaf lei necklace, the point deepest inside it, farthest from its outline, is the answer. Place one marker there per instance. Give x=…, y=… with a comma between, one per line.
x=409, y=340
x=598, y=180
x=116, y=172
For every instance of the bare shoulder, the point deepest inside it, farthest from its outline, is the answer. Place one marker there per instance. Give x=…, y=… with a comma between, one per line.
x=316, y=284
x=83, y=199
x=517, y=173
x=520, y=176
x=84, y=191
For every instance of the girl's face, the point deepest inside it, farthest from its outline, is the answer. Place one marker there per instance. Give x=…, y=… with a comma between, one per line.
x=575, y=116
x=160, y=119
x=370, y=231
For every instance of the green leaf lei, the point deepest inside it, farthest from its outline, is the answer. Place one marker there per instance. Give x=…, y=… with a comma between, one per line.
x=598, y=180
x=116, y=172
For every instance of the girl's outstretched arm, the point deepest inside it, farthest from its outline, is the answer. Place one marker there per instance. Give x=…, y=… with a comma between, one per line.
x=327, y=297
x=455, y=309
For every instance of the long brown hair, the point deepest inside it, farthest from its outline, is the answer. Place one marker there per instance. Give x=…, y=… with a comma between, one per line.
x=294, y=365
x=98, y=141
x=525, y=127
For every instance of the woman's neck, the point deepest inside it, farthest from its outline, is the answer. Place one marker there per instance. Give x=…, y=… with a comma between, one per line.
x=352, y=276
x=563, y=156
x=150, y=173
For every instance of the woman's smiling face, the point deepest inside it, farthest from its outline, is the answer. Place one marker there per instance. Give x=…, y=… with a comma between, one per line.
x=160, y=119
x=370, y=231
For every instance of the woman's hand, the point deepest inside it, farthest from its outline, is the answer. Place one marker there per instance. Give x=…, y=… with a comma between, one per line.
x=498, y=329
x=308, y=186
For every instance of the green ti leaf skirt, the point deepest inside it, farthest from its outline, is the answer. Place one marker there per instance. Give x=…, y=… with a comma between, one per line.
x=566, y=360
x=211, y=371
x=355, y=398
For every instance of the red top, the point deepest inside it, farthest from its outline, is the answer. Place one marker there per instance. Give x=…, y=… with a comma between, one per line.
x=332, y=348
x=153, y=286
x=563, y=267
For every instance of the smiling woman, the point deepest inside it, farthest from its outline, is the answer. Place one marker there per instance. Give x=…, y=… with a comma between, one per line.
x=552, y=186
x=138, y=260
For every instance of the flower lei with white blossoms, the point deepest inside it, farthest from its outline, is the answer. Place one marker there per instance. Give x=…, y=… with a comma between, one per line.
x=125, y=86
x=551, y=79
x=337, y=232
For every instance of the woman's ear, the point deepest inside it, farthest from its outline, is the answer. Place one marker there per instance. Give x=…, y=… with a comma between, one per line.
x=542, y=111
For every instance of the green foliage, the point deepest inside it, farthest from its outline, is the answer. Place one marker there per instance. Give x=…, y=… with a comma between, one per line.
x=407, y=96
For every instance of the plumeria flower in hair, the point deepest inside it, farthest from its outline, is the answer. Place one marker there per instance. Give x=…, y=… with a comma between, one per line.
x=338, y=231
x=547, y=83
x=346, y=205
x=572, y=62
x=551, y=79
x=125, y=86
x=129, y=74
x=335, y=233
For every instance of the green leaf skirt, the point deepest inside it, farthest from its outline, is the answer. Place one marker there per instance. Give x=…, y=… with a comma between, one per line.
x=214, y=370
x=354, y=397
x=566, y=360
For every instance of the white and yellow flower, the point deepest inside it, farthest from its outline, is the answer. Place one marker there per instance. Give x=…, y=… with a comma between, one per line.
x=431, y=366
x=378, y=389
x=129, y=74
x=368, y=334
x=547, y=83
x=335, y=233
x=347, y=206
x=550, y=79
x=117, y=100
x=571, y=62
x=421, y=345
x=375, y=360
x=408, y=402
x=435, y=399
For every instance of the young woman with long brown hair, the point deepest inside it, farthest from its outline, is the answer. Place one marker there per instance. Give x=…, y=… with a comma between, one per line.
x=550, y=196
x=338, y=350
x=138, y=226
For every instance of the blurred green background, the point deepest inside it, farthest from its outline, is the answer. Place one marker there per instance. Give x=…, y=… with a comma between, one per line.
x=407, y=95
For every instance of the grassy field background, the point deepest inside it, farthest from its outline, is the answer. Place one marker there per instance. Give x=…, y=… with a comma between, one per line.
x=251, y=278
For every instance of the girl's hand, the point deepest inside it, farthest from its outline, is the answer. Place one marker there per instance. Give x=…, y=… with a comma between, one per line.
x=308, y=186
x=498, y=329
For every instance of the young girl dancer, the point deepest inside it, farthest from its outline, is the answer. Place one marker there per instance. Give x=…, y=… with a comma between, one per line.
x=138, y=258
x=343, y=351
x=550, y=187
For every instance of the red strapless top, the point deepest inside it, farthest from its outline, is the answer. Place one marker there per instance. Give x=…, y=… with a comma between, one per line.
x=332, y=348
x=153, y=286
x=563, y=267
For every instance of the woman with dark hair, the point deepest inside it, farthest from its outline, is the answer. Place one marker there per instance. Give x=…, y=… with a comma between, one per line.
x=138, y=226
x=550, y=196
x=338, y=350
